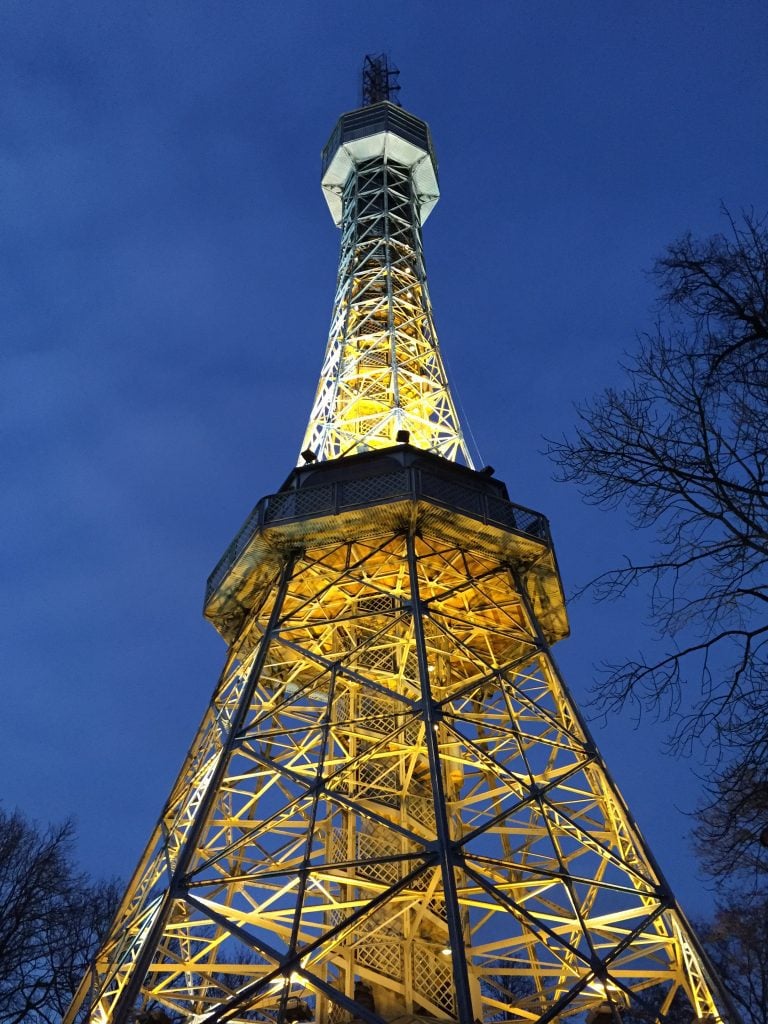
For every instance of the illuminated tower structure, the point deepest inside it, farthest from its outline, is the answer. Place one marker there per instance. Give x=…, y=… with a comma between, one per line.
x=392, y=810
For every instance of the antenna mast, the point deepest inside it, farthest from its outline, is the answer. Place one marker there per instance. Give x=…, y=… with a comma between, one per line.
x=379, y=80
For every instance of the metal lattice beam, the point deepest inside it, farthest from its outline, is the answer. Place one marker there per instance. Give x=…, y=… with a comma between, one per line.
x=382, y=372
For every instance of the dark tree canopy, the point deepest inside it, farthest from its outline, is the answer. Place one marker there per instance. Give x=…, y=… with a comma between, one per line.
x=52, y=918
x=731, y=832
x=737, y=941
x=683, y=447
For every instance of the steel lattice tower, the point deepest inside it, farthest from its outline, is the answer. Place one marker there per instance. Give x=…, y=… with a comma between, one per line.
x=392, y=810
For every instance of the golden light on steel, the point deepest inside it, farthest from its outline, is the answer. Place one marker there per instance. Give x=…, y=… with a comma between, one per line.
x=393, y=810
x=383, y=374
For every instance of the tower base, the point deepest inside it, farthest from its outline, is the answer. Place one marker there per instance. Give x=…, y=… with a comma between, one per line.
x=393, y=810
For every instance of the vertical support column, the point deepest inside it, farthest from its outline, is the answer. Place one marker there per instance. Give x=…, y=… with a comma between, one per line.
x=446, y=853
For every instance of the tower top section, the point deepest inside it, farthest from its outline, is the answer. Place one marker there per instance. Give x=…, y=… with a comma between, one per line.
x=383, y=381
x=380, y=128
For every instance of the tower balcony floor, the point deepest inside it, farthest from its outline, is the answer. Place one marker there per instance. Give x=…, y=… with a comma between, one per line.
x=387, y=491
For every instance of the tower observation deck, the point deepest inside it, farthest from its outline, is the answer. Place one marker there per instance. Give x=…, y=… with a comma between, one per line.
x=392, y=810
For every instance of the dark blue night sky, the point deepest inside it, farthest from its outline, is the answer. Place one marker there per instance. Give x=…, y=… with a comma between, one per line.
x=168, y=267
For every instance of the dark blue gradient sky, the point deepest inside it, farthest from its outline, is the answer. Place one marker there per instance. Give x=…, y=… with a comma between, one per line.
x=168, y=268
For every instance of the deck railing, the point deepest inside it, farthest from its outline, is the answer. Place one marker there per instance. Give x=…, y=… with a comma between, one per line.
x=408, y=483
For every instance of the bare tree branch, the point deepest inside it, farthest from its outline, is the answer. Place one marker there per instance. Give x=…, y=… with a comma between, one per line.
x=52, y=919
x=737, y=941
x=683, y=449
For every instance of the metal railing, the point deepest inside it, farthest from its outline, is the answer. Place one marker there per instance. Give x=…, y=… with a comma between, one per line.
x=359, y=124
x=408, y=483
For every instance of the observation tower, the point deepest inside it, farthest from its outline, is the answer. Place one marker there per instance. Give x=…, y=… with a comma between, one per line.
x=392, y=810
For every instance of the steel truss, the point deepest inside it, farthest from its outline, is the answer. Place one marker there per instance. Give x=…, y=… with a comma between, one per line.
x=382, y=371
x=392, y=808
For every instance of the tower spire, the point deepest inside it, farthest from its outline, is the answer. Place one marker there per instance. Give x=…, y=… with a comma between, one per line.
x=383, y=379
